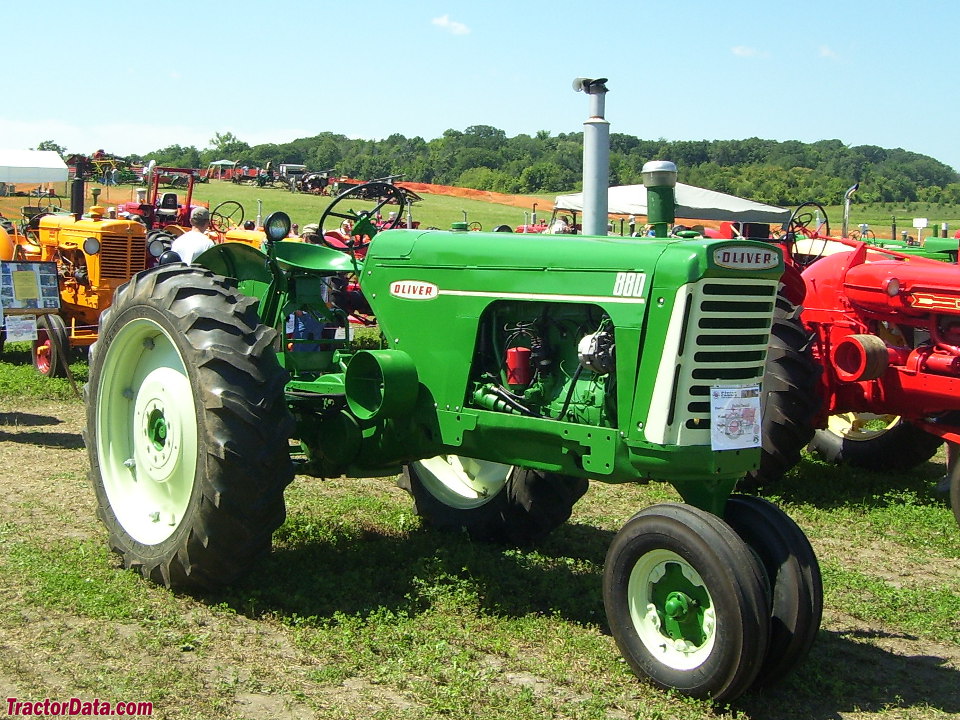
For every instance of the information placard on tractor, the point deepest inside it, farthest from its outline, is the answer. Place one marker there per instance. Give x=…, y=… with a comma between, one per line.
x=734, y=417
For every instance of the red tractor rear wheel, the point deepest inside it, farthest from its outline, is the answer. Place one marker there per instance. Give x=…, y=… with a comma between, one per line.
x=882, y=443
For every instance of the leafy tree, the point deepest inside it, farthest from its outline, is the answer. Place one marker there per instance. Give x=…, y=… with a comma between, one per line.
x=227, y=145
x=51, y=145
x=482, y=156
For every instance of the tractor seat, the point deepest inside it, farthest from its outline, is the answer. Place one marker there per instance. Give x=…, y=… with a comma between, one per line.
x=169, y=207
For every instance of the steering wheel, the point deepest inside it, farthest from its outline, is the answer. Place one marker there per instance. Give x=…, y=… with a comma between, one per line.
x=382, y=192
x=33, y=224
x=800, y=223
x=475, y=226
x=226, y=215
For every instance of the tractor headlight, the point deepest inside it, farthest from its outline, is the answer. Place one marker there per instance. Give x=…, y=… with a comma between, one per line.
x=277, y=226
x=157, y=247
x=91, y=246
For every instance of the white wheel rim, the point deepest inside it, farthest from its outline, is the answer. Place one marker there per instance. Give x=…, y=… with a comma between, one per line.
x=675, y=653
x=460, y=482
x=147, y=437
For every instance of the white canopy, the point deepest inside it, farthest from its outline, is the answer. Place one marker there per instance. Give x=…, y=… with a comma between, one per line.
x=692, y=203
x=223, y=163
x=31, y=166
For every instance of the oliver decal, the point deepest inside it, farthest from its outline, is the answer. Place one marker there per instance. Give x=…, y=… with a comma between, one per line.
x=413, y=290
x=746, y=258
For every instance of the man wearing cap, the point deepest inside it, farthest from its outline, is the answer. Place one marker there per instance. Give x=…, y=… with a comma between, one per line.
x=193, y=242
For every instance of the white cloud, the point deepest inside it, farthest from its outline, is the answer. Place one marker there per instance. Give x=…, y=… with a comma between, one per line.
x=744, y=51
x=452, y=26
x=826, y=52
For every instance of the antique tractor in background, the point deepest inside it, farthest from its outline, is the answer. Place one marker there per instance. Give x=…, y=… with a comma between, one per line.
x=159, y=209
x=884, y=326
x=94, y=256
x=512, y=372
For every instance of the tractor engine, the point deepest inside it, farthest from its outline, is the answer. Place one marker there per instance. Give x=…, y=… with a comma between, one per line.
x=547, y=360
x=599, y=352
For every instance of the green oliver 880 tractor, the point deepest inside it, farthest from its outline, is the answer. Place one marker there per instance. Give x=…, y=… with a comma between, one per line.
x=513, y=371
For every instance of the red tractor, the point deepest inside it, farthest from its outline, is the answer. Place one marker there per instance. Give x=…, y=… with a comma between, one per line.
x=884, y=328
x=160, y=209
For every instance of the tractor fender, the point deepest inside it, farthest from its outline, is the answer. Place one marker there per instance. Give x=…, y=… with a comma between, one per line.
x=236, y=260
x=793, y=286
x=824, y=281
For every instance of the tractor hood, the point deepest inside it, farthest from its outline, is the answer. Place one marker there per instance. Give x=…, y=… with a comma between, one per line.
x=492, y=257
x=92, y=226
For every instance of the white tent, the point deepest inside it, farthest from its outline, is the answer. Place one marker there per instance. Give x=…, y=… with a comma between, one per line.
x=31, y=166
x=692, y=203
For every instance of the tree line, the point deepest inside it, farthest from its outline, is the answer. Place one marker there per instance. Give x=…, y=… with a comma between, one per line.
x=483, y=157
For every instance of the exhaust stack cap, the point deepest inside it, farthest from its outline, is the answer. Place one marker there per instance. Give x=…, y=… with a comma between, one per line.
x=590, y=86
x=659, y=173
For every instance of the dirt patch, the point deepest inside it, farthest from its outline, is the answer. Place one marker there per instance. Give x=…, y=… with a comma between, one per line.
x=521, y=201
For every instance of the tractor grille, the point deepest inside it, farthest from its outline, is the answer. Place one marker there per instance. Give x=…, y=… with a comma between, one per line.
x=718, y=335
x=122, y=257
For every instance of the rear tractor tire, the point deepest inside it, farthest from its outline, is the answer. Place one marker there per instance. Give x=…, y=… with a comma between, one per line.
x=187, y=428
x=882, y=443
x=491, y=501
x=790, y=397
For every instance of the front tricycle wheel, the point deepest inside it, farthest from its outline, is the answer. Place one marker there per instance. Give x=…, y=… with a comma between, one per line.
x=187, y=428
x=686, y=602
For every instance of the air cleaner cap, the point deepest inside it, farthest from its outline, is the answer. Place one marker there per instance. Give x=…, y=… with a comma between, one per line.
x=659, y=173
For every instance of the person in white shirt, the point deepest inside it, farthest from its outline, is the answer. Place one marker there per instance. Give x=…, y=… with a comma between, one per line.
x=193, y=242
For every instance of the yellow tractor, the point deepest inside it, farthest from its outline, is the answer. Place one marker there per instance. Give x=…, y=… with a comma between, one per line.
x=94, y=255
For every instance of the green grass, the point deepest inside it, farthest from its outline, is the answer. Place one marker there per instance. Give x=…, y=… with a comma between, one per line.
x=361, y=611
x=365, y=599
x=18, y=377
x=879, y=217
x=434, y=211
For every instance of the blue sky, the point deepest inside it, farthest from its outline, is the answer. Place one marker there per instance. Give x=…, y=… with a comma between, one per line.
x=134, y=77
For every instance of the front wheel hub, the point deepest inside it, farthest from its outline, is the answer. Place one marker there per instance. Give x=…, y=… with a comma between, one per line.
x=671, y=609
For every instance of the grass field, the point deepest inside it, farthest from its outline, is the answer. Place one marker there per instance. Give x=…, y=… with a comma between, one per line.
x=442, y=210
x=435, y=210
x=362, y=612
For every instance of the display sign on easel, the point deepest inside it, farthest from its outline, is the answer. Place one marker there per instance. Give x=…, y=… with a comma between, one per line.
x=27, y=289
